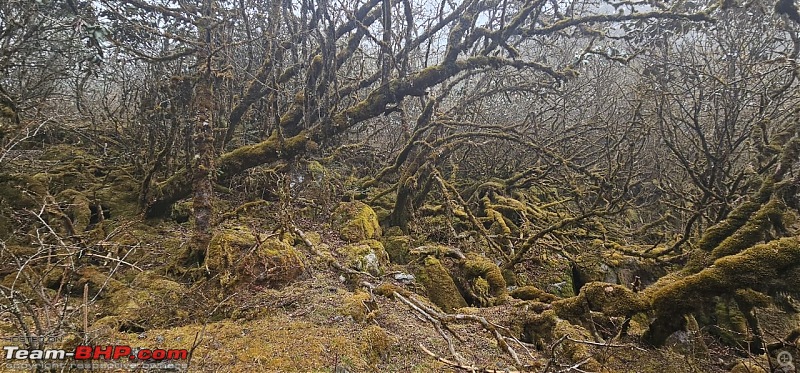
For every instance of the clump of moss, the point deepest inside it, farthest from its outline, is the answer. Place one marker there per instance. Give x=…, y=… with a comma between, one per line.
x=475, y=266
x=355, y=306
x=388, y=289
x=356, y=221
x=393, y=231
x=748, y=367
x=77, y=209
x=533, y=293
x=238, y=256
x=367, y=256
x=377, y=344
x=151, y=301
x=547, y=327
x=440, y=287
x=98, y=280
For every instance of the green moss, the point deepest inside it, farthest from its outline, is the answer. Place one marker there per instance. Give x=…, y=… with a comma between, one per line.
x=367, y=256
x=388, y=289
x=440, y=287
x=757, y=267
x=716, y=234
x=533, y=293
x=475, y=266
x=356, y=221
x=377, y=344
x=354, y=305
x=751, y=232
x=77, y=209
x=151, y=301
x=749, y=367
x=480, y=287
x=237, y=256
x=98, y=280
x=610, y=299
x=547, y=327
x=731, y=325
x=398, y=248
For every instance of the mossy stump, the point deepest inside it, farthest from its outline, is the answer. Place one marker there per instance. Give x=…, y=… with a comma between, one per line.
x=441, y=288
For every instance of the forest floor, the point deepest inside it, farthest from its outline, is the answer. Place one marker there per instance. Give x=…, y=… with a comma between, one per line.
x=278, y=294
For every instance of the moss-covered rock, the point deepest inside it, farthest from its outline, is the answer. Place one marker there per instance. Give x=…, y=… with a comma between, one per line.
x=440, y=287
x=398, y=248
x=377, y=344
x=151, y=301
x=239, y=257
x=366, y=256
x=356, y=221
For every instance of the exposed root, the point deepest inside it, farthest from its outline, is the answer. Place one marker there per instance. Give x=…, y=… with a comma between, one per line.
x=440, y=320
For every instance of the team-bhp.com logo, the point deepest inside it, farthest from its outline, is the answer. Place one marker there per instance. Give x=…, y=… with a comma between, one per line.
x=96, y=353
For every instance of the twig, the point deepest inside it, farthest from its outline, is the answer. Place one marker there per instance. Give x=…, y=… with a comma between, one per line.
x=468, y=368
x=198, y=338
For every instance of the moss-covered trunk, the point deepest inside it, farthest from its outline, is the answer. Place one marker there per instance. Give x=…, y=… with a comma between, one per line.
x=766, y=268
x=203, y=166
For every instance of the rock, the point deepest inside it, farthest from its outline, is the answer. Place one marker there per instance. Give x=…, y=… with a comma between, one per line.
x=615, y=269
x=356, y=221
x=366, y=256
x=405, y=278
